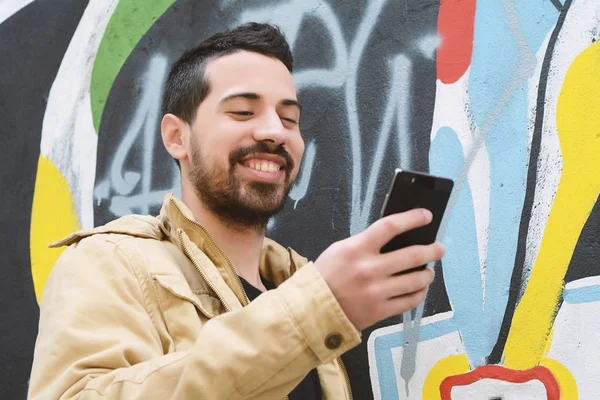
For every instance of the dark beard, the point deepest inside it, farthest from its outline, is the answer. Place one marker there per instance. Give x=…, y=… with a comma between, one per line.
x=241, y=205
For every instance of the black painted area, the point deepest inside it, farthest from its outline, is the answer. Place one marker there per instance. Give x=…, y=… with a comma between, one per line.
x=32, y=44
x=532, y=176
x=585, y=261
x=437, y=299
x=559, y=6
x=183, y=25
x=323, y=215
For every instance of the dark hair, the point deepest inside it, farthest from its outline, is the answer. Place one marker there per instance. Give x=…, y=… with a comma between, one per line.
x=187, y=86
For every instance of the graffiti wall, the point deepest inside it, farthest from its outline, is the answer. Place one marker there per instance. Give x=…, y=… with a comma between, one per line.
x=503, y=96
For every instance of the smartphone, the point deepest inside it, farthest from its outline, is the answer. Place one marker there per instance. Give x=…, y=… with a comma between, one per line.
x=411, y=190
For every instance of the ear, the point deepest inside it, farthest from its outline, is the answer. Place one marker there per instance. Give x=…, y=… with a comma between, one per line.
x=173, y=129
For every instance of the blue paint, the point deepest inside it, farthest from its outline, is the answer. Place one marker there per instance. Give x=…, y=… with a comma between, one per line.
x=499, y=102
x=492, y=41
x=462, y=273
x=502, y=64
x=536, y=18
x=497, y=53
x=383, y=354
x=587, y=294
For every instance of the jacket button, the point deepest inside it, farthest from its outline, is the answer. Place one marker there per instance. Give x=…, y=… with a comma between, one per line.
x=333, y=341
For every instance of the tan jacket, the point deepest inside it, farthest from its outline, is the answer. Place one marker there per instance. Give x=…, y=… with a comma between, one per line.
x=150, y=308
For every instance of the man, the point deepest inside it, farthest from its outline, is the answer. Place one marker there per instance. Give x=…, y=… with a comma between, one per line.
x=179, y=306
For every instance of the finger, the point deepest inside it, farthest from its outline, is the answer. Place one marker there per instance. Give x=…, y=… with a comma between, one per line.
x=401, y=304
x=400, y=285
x=385, y=229
x=409, y=257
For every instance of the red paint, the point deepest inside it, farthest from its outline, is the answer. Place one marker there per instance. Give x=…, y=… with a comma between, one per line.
x=456, y=21
x=540, y=373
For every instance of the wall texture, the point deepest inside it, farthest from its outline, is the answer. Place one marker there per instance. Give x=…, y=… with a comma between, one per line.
x=503, y=96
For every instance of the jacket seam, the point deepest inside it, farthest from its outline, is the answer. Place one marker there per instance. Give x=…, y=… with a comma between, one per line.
x=141, y=282
x=339, y=313
x=337, y=309
x=291, y=317
x=205, y=292
x=110, y=385
x=160, y=302
x=197, y=303
x=198, y=306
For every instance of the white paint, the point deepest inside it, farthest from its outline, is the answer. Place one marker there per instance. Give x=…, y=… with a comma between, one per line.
x=68, y=138
x=358, y=222
x=8, y=8
x=271, y=225
x=581, y=27
x=401, y=68
x=429, y=352
x=301, y=187
x=575, y=344
x=487, y=389
x=584, y=282
x=289, y=16
x=428, y=45
x=142, y=125
x=398, y=104
x=452, y=109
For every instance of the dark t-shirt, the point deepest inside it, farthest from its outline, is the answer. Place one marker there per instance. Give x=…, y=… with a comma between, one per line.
x=310, y=387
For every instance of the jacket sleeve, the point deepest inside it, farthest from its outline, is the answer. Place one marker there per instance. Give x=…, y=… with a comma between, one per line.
x=97, y=338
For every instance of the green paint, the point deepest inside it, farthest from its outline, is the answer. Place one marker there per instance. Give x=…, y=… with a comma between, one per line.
x=128, y=24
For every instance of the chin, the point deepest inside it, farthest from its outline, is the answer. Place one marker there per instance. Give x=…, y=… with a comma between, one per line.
x=265, y=209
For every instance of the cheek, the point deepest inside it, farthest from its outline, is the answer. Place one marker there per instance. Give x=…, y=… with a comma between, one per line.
x=214, y=150
x=296, y=148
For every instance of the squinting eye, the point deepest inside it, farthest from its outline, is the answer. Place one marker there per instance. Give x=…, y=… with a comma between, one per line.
x=290, y=120
x=244, y=113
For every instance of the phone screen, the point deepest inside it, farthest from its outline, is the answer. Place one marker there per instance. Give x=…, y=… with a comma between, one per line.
x=411, y=190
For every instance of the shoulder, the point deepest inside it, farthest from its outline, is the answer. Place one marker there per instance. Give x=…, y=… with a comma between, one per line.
x=138, y=226
x=123, y=246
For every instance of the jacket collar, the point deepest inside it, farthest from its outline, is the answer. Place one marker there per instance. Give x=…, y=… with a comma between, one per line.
x=276, y=263
x=176, y=224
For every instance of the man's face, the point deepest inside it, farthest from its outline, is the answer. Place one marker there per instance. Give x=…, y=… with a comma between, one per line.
x=245, y=144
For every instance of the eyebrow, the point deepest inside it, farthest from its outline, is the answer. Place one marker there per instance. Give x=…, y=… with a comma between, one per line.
x=256, y=96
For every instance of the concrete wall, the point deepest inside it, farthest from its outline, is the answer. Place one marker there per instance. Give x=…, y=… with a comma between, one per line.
x=501, y=95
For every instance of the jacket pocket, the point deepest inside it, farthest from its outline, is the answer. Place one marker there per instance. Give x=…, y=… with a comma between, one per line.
x=184, y=310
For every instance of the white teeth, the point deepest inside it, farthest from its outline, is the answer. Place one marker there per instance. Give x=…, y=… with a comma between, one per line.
x=264, y=166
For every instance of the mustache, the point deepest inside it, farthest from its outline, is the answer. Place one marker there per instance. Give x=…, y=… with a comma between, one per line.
x=261, y=147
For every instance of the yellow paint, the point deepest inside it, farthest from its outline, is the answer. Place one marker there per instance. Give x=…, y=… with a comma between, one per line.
x=448, y=366
x=578, y=122
x=53, y=217
x=566, y=381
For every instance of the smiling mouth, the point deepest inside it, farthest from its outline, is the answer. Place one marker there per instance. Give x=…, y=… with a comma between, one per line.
x=262, y=165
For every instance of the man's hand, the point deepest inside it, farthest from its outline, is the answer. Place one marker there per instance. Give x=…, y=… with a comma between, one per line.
x=366, y=283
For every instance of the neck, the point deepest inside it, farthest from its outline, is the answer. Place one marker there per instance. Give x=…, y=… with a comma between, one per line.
x=242, y=245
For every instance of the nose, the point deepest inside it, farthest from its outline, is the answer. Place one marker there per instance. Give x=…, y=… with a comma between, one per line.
x=270, y=129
